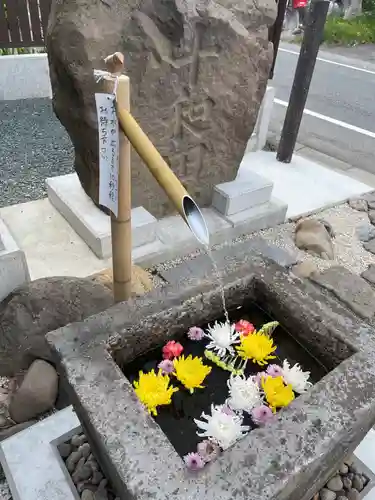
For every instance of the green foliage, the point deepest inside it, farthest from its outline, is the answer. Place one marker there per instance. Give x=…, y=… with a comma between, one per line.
x=355, y=31
x=368, y=6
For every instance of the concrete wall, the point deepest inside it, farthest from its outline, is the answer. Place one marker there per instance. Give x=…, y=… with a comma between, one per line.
x=24, y=77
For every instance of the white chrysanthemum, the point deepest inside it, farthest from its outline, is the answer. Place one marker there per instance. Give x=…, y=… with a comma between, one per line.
x=223, y=427
x=296, y=377
x=222, y=336
x=244, y=393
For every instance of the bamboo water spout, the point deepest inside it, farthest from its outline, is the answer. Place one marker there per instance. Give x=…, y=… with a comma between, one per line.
x=167, y=180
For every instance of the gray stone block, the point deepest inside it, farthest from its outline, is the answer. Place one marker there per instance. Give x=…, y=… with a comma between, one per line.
x=292, y=458
x=230, y=198
x=68, y=197
x=13, y=266
x=32, y=464
x=351, y=289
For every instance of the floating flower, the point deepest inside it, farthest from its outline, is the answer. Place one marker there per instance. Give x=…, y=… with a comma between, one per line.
x=195, y=333
x=244, y=393
x=224, y=429
x=244, y=327
x=296, y=377
x=172, y=349
x=274, y=371
x=225, y=364
x=257, y=347
x=153, y=390
x=222, y=336
x=277, y=393
x=194, y=461
x=269, y=328
x=208, y=450
x=261, y=415
x=166, y=366
x=191, y=371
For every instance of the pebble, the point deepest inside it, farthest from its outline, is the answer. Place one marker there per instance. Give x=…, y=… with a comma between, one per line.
x=365, y=231
x=359, y=204
x=353, y=468
x=78, y=440
x=349, y=460
x=347, y=483
x=327, y=494
x=341, y=497
x=85, y=450
x=353, y=494
x=82, y=472
x=87, y=495
x=65, y=450
x=96, y=477
x=344, y=469
x=358, y=482
x=72, y=461
x=335, y=484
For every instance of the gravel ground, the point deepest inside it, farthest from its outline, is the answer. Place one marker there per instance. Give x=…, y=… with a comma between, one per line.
x=349, y=251
x=33, y=146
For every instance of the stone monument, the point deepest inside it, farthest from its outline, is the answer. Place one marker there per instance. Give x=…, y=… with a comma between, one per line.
x=198, y=72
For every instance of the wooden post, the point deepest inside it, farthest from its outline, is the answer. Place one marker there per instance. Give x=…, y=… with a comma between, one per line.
x=121, y=225
x=311, y=41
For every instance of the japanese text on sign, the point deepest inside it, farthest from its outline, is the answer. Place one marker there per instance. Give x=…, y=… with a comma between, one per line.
x=108, y=151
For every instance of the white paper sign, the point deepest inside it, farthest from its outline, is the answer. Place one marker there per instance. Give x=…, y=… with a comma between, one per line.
x=108, y=151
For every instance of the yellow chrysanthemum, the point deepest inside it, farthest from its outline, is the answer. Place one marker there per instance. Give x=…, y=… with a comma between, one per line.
x=256, y=347
x=277, y=393
x=153, y=390
x=191, y=371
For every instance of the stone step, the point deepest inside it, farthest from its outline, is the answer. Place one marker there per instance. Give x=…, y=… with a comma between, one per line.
x=230, y=198
x=13, y=265
x=68, y=197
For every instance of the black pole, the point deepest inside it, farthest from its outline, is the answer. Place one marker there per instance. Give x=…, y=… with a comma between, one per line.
x=275, y=32
x=313, y=36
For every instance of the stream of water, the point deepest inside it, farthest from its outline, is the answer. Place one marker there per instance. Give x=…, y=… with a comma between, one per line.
x=219, y=280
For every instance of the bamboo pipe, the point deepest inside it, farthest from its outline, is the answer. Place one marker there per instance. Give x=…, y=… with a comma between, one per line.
x=121, y=225
x=161, y=171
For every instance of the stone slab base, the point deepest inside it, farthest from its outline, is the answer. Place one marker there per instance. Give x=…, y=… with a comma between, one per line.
x=32, y=464
x=13, y=265
x=305, y=185
x=91, y=224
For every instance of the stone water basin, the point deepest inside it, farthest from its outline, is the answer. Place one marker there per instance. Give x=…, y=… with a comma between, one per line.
x=290, y=459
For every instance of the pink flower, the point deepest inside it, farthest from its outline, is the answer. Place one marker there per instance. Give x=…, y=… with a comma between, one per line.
x=259, y=376
x=274, y=371
x=194, y=461
x=244, y=327
x=195, y=333
x=208, y=450
x=172, y=349
x=166, y=366
x=262, y=415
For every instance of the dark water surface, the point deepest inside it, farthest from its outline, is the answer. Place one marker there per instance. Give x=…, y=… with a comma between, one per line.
x=177, y=419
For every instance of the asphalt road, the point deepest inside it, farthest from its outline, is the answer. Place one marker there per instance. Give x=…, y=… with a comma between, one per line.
x=339, y=117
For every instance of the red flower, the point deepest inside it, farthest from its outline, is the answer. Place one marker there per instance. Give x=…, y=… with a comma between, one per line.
x=172, y=349
x=244, y=327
